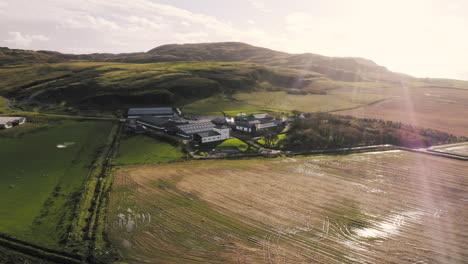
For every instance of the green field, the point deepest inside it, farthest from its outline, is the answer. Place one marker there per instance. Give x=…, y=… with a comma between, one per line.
x=233, y=143
x=41, y=174
x=4, y=106
x=256, y=102
x=307, y=103
x=142, y=149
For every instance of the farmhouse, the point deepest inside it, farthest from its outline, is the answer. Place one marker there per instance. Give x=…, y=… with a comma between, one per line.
x=8, y=122
x=252, y=123
x=134, y=113
x=246, y=127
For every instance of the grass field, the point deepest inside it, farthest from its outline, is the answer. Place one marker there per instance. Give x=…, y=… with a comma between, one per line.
x=4, y=106
x=458, y=148
x=256, y=102
x=436, y=108
x=141, y=149
x=382, y=207
x=41, y=172
x=233, y=143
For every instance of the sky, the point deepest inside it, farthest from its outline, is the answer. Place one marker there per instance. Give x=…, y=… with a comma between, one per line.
x=423, y=38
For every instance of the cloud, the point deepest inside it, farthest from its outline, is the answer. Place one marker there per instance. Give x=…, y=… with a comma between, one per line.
x=260, y=6
x=408, y=36
x=116, y=26
x=16, y=38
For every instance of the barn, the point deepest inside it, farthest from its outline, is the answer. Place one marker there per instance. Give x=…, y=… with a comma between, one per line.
x=189, y=130
x=166, y=112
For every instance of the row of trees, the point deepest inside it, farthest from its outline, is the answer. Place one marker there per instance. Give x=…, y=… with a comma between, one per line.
x=326, y=131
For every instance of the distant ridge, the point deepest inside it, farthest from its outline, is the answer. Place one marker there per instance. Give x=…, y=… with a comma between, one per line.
x=335, y=68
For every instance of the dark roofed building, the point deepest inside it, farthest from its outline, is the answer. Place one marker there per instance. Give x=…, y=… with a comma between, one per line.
x=188, y=130
x=154, y=122
x=246, y=127
x=156, y=111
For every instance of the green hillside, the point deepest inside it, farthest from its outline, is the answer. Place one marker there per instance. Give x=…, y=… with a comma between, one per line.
x=194, y=76
x=74, y=86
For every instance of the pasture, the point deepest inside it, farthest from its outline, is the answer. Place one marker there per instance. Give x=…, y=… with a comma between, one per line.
x=4, y=106
x=458, y=148
x=256, y=102
x=42, y=170
x=141, y=149
x=442, y=109
x=381, y=207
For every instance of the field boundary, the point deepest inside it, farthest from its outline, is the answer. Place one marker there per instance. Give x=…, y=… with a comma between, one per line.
x=356, y=107
x=38, y=251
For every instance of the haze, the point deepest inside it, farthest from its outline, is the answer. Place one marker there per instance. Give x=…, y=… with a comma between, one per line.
x=421, y=38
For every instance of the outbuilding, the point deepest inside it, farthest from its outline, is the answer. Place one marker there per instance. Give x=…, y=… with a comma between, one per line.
x=10, y=121
x=188, y=130
x=166, y=112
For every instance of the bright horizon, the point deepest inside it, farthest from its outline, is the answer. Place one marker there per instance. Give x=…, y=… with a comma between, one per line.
x=420, y=38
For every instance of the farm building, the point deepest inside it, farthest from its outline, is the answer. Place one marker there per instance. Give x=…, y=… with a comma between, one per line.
x=8, y=122
x=217, y=134
x=134, y=113
x=264, y=115
x=188, y=130
x=153, y=122
x=251, y=124
x=246, y=127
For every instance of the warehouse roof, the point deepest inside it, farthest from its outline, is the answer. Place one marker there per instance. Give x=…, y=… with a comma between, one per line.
x=151, y=111
x=152, y=120
x=198, y=127
x=208, y=134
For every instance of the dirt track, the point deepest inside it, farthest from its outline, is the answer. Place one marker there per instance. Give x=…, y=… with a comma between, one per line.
x=392, y=207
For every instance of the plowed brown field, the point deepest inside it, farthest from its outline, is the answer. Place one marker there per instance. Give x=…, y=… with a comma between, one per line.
x=437, y=108
x=382, y=207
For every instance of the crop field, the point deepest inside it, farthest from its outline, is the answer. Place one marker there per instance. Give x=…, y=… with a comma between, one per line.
x=436, y=108
x=141, y=149
x=380, y=207
x=281, y=101
x=459, y=148
x=41, y=171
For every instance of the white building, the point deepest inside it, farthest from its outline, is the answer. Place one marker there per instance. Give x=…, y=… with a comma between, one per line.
x=10, y=121
x=217, y=133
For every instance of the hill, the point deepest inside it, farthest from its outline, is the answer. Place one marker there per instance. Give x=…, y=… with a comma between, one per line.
x=190, y=73
x=72, y=86
x=335, y=68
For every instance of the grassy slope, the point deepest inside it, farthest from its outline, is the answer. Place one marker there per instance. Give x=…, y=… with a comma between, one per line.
x=280, y=101
x=66, y=86
x=36, y=173
x=4, y=106
x=142, y=149
x=233, y=143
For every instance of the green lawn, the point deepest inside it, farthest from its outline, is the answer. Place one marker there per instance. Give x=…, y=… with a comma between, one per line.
x=39, y=180
x=233, y=143
x=142, y=149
